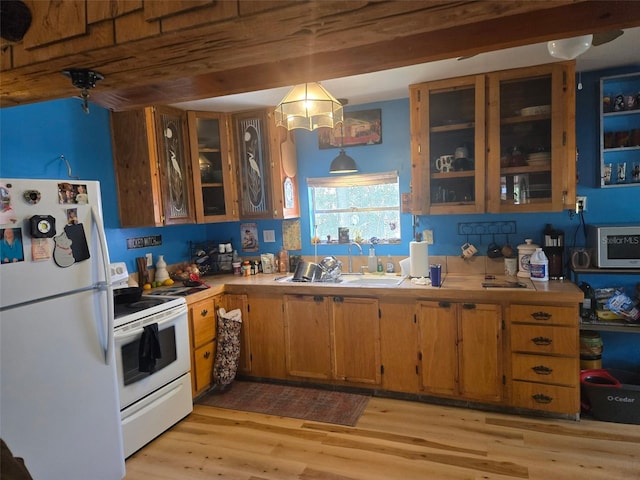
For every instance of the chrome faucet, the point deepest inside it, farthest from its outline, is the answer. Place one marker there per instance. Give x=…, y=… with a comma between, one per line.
x=350, y=259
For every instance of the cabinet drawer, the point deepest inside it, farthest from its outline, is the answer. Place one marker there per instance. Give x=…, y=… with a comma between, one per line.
x=550, y=398
x=545, y=369
x=203, y=322
x=203, y=365
x=543, y=314
x=550, y=340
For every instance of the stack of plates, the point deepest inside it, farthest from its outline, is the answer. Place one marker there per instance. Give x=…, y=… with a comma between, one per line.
x=539, y=159
x=537, y=110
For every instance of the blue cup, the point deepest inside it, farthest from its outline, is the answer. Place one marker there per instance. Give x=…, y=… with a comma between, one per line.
x=435, y=273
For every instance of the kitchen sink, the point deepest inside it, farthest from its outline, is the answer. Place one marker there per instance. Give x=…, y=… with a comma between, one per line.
x=357, y=280
x=371, y=280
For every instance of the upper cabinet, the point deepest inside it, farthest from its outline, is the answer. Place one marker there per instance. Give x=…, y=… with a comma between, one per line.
x=448, y=145
x=152, y=167
x=620, y=130
x=531, y=137
x=502, y=142
x=267, y=166
x=215, y=194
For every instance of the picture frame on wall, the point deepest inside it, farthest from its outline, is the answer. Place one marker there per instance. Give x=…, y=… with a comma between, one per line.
x=363, y=127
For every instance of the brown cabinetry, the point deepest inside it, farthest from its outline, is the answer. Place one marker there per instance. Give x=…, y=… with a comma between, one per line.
x=516, y=128
x=213, y=171
x=202, y=327
x=266, y=348
x=152, y=167
x=544, y=345
x=531, y=139
x=332, y=338
x=267, y=166
x=447, y=121
x=461, y=349
x=399, y=346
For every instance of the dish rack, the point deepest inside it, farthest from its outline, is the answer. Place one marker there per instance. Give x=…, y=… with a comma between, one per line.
x=208, y=258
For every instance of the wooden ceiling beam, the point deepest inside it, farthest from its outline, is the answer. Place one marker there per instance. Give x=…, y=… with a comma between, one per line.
x=308, y=41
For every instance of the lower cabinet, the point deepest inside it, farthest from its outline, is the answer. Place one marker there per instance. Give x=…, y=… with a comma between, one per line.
x=332, y=338
x=202, y=329
x=545, y=346
x=266, y=338
x=461, y=350
x=399, y=349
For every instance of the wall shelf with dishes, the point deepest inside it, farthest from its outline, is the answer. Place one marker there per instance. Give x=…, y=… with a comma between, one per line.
x=620, y=131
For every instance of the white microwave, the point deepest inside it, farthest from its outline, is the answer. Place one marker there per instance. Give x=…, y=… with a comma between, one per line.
x=614, y=246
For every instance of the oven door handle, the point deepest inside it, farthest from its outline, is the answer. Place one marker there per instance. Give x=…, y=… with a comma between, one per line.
x=121, y=335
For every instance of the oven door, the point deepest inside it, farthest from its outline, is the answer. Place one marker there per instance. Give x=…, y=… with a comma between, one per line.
x=173, y=336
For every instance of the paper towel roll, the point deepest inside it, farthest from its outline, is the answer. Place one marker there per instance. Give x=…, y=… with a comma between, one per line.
x=419, y=256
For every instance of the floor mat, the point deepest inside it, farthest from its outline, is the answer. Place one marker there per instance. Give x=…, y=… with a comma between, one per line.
x=296, y=402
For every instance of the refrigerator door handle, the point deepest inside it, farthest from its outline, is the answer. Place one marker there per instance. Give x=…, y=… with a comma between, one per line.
x=108, y=350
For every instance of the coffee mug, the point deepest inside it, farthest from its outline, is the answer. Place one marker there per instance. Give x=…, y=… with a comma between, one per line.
x=468, y=250
x=462, y=152
x=580, y=258
x=494, y=251
x=444, y=163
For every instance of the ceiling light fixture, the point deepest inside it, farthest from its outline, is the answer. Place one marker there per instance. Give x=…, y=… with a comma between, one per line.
x=569, y=48
x=308, y=106
x=84, y=79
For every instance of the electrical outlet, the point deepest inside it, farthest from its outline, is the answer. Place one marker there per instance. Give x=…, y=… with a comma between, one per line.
x=581, y=204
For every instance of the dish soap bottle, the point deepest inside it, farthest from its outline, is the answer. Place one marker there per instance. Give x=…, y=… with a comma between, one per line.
x=372, y=262
x=380, y=267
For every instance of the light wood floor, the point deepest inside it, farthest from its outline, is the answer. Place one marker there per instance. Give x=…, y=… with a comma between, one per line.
x=393, y=439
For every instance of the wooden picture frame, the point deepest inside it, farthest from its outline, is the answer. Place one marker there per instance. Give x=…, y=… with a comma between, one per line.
x=363, y=127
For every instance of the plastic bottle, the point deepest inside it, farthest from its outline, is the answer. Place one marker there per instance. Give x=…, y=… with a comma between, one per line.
x=380, y=267
x=283, y=261
x=539, y=266
x=389, y=264
x=372, y=262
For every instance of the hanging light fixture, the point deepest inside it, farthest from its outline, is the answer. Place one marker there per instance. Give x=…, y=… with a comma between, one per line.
x=84, y=79
x=308, y=106
x=569, y=48
x=343, y=163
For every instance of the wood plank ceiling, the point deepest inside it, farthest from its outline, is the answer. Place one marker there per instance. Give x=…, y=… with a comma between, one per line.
x=159, y=52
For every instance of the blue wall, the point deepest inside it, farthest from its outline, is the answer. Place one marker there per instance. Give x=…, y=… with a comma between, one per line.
x=33, y=137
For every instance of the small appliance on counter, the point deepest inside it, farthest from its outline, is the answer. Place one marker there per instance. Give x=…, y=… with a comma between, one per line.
x=553, y=247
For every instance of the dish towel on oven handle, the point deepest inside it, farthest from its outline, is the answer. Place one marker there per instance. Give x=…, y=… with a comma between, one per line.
x=228, y=351
x=149, y=350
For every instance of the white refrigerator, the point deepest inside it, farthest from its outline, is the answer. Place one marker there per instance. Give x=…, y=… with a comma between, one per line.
x=59, y=408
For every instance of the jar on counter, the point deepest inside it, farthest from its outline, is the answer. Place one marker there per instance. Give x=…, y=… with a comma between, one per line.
x=246, y=268
x=525, y=251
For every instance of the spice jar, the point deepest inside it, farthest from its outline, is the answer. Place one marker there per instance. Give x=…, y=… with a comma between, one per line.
x=246, y=268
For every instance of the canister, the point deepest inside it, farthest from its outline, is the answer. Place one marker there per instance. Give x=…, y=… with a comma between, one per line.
x=525, y=251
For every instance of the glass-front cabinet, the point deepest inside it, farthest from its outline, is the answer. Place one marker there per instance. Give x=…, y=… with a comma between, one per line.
x=531, y=140
x=500, y=142
x=620, y=130
x=212, y=166
x=448, y=145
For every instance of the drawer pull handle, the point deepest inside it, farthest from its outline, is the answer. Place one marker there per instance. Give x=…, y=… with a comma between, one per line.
x=542, y=341
x=542, y=398
x=444, y=304
x=468, y=306
x=207, y=354
x=542, y=370
x=204, y=312
x=541, y=316
x=318, y=298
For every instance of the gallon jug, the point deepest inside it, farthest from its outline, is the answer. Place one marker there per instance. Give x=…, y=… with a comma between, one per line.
x=525, y=251
x=539, y=266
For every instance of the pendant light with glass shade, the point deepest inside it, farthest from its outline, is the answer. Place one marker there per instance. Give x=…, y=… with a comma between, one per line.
x=308, y=106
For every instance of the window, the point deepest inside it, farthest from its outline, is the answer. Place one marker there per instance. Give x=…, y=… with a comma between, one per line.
x=367, y=204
